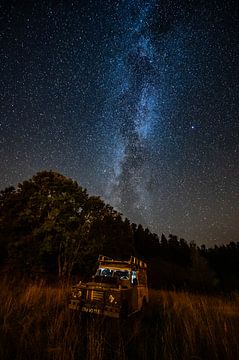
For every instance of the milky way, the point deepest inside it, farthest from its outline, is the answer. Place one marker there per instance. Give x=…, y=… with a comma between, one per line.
x=136, y=100
x=136, y=107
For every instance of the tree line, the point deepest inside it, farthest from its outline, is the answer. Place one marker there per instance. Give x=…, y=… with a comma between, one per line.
x=51, y=225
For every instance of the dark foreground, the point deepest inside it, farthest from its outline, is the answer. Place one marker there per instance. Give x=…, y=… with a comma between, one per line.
x=35, y=323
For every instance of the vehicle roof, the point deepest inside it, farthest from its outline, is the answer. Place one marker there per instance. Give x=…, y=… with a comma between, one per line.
x=133, y=262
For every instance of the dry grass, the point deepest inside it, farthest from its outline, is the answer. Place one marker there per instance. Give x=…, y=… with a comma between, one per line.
x=36, y=324
x=198, y=327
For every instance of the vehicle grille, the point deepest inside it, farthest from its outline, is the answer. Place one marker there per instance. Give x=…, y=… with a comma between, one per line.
x=97, y=295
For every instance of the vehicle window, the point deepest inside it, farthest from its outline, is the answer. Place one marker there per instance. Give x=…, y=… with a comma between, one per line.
x=121, y=274
x=106, y=272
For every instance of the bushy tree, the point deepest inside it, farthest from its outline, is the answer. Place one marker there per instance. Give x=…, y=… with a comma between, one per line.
x=51, y=222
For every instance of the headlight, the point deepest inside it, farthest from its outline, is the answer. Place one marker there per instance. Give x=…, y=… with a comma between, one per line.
x=76, y=293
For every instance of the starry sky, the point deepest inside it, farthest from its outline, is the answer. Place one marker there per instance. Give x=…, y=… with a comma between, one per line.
x=136, y=100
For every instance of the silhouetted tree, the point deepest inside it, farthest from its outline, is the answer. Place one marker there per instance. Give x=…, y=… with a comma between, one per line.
x=51, y=222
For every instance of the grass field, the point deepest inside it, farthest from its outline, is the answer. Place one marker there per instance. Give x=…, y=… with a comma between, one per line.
x=35, y=323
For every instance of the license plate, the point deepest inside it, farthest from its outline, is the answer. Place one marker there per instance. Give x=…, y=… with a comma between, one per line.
x=90, y=310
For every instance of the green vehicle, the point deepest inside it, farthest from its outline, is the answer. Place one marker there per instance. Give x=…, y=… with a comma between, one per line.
x=118, y=289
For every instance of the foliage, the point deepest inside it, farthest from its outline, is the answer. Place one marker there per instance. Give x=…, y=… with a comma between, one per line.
x=50, y=224
x=50, y=221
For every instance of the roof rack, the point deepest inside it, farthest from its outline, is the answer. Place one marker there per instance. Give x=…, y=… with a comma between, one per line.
x=137, y=262
x=104, y=258
x=132, y=261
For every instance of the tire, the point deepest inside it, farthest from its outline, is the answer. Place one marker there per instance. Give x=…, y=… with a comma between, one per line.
x=124, y=312
x=144, y=304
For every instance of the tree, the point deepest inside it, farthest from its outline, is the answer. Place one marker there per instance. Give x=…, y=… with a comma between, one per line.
x=41, y=219
x=201, y=277
x=52, y=223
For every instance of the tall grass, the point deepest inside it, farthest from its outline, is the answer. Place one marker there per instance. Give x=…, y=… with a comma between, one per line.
x=35, y=323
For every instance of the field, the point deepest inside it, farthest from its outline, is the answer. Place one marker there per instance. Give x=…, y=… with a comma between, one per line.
x=35, y=323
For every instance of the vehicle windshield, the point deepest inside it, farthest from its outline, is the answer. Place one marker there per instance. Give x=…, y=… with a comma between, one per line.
x=114, y=273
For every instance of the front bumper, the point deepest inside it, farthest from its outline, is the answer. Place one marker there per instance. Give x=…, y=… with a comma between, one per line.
x=94, y=309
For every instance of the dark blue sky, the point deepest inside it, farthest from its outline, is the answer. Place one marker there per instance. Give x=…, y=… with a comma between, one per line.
x=136, y=100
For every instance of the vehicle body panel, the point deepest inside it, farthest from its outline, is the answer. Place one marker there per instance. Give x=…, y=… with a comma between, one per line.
x=119, y=288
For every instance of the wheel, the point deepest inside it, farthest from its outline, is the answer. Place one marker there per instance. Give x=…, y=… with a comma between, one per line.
x=144, y=304
x=124, y=312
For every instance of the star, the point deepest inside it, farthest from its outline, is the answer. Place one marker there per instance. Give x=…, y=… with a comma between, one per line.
x=137, y=102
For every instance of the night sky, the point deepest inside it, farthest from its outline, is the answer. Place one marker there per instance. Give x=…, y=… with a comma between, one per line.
x=136, y=100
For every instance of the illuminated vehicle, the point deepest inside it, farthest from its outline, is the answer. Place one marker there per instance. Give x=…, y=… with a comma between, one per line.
x=118, y=289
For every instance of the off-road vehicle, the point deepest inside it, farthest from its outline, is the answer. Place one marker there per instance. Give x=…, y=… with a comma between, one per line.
x=118, y=289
